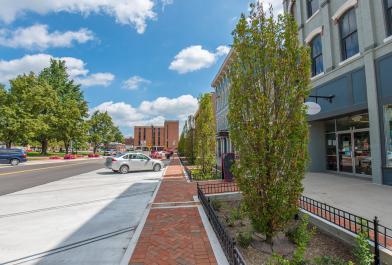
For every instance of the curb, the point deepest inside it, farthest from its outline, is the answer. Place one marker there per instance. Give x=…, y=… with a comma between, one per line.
x=135, y=238
x=215, y=245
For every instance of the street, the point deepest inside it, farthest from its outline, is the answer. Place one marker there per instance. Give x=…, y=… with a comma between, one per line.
x=24, y=176
x=79, y=219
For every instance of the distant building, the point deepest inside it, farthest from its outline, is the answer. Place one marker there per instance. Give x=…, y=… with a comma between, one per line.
x=157, y=137
x=129, y=142
x=221, y=86
x=119, y=147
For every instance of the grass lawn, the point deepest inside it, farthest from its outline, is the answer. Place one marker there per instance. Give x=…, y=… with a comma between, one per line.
x=38, y=155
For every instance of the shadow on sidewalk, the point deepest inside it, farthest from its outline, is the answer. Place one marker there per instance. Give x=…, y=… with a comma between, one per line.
x=104, y=237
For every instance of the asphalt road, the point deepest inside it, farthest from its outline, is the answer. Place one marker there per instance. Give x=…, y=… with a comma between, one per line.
x=22, y=177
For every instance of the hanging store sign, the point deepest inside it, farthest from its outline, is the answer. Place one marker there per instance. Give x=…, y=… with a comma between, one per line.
x=312, y=108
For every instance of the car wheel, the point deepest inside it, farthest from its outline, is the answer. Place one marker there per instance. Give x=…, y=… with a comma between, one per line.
x=124, y=169
x=157, y=167
x=14, y=162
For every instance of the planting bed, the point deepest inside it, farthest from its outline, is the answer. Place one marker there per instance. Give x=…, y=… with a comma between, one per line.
x=258, y=252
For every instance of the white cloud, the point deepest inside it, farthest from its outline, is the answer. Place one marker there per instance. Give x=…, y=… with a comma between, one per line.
x=149, y=112
x=38, y=37
x=135, y=82
x=165, y=3
x=98, y=79
x=76, y=69
x=194, y=58
x=170, y=106
x=128, y=12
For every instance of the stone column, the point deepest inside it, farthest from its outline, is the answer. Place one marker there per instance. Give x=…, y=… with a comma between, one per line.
x=374, y=117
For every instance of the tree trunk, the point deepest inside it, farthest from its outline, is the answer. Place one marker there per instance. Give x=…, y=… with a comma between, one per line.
x=8, y=144
x=44, y=147
x=66, y=145
x=95, y=149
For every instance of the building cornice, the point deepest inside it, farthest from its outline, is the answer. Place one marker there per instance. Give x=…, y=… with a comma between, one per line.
x=222, y=69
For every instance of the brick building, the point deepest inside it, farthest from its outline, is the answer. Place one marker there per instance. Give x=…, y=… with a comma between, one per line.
x=157, y=137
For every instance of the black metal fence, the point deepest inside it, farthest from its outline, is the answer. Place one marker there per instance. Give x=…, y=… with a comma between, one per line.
x=380, y=235
x=227, y=242
x=220, y=187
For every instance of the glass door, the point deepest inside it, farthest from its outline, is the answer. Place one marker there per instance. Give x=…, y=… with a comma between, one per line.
x=345, y=152
x=362, y=153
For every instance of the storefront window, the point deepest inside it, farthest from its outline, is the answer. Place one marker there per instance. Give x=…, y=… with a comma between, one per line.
x=388, y=133
x=360, y=121
x=331, y=151
x=330, y=126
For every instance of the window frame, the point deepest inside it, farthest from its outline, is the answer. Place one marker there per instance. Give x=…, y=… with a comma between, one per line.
x=314, y=58
x=388, y=18
x=309, y=10
x=349, y=35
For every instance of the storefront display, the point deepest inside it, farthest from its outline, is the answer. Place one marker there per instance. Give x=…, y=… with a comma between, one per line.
x=388, y=134
x=348, y=147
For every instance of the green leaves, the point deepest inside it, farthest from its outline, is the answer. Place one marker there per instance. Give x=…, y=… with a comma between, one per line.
x=50, y=107
x=205, y=141
x=269, y=80
x=102, y=130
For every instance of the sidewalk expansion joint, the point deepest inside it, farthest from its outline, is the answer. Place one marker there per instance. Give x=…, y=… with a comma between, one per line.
x=165, y=205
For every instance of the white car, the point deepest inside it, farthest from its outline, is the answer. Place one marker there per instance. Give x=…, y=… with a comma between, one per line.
x=126, y=162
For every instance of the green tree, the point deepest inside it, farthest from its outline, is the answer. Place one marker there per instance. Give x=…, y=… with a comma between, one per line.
x=10, y=124
x=29, y=111
x=190, y=140
x=270, y=76
x=117, y=135
x=205, y=141
x=72, y=108
x=102, y=130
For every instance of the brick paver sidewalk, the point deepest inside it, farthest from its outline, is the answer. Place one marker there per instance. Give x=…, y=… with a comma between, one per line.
x=174, y=232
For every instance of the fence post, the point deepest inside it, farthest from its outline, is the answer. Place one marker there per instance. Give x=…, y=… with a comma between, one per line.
x=376, y=245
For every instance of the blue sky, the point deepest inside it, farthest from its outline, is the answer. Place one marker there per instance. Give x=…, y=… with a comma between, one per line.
x=140, y=60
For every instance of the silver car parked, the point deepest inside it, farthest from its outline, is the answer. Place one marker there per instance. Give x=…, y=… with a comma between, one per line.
x=126, y=162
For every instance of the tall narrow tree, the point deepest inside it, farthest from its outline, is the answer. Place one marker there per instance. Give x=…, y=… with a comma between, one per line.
x=205, y=141
x=269, y=75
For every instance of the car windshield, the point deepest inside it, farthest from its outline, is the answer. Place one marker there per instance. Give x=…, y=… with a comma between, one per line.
x=119, y=155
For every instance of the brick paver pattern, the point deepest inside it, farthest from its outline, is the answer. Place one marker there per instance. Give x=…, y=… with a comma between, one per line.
x=174, y=235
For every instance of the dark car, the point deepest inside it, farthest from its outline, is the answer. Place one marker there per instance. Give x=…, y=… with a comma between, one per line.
x=12, y=156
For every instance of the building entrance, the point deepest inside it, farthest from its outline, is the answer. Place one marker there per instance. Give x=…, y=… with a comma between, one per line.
x=348, y=145
x=354, y=152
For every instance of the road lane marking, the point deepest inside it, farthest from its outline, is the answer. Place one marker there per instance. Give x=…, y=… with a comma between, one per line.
x=43, y=168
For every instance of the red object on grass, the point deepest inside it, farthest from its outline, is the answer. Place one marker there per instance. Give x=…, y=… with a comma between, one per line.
x=54, y=157
x=69, y=156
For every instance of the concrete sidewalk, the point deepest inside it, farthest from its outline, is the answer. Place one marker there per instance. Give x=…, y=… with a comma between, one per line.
x=355, y=195
x=85, y=219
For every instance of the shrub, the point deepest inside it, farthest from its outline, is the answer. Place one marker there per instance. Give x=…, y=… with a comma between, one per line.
x=236, y=214
x=362, y=250
x=244, y=239
x=301, y=237
x=216, y=204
